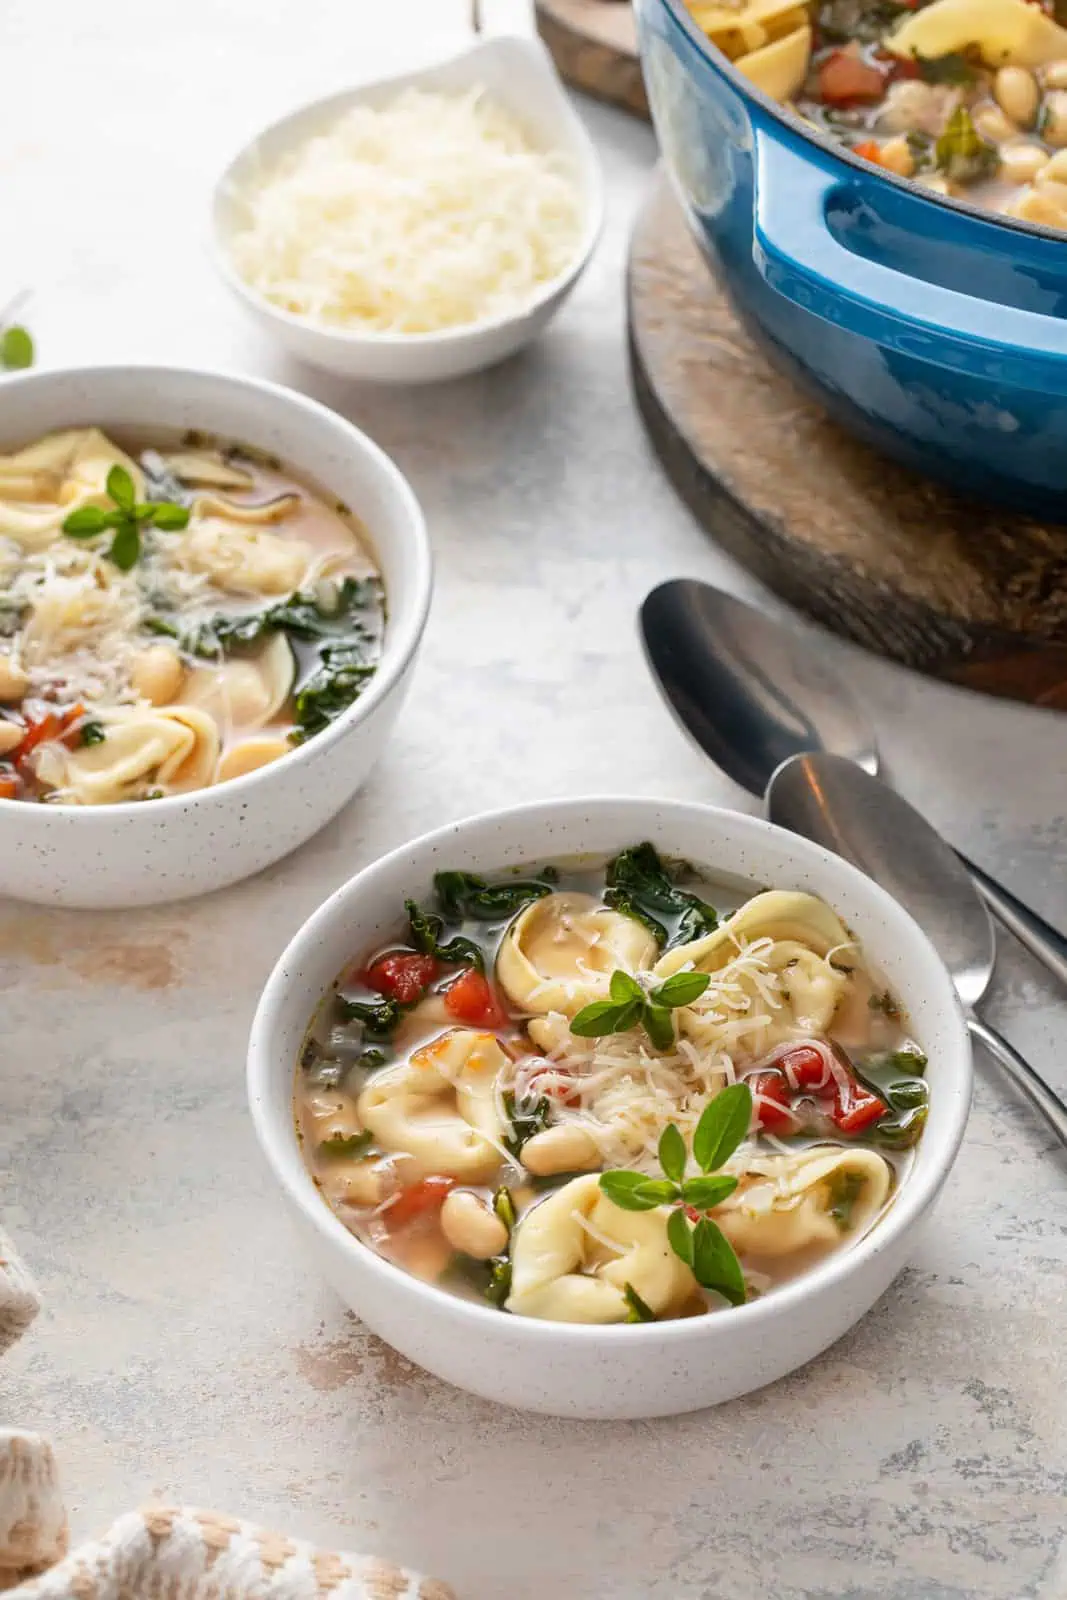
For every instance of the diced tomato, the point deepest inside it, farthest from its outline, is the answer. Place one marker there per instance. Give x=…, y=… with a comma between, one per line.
x=42, y=730
x=403, y=976
x=553, y=1083
x=9, y=786
x=870, y=150
x=771, y=1095
x=429, y=1194
x=804, y=1066
x=471, y=999
x=845, y=79
x=855, y=1111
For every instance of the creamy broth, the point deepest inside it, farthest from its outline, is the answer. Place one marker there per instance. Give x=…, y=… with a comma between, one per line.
x=173, y=613
x=469, y=1111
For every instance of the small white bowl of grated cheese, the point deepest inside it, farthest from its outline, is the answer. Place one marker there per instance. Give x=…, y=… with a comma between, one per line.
x=418, y=228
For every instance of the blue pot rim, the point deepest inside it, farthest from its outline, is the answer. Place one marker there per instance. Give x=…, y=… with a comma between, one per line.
x=680, y=15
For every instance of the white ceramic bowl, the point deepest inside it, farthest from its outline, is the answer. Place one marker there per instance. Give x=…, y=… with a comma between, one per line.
x=519, y=73
x=140, y=854
x=646, y=1370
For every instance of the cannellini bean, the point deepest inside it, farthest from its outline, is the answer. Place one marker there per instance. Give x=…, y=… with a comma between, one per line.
x=1055, y=75
x=1017, y=94
x=1054, y=121
x=11, y=736
x=249, y=756
x=895, y=154
x=470, y=1226
x=565, y=1148
x=354, y=1183
x=13, y=681
x=1020, y=163
x=156, y=674
x=1053, y=168
x=334, y=1116
x=992, y=124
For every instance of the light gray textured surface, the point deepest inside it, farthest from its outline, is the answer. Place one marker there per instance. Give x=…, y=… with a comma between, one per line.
x=185, y=1349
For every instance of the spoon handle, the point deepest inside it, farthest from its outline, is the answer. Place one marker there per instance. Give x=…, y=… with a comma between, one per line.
x=1022, y=1074
x=1042, y=940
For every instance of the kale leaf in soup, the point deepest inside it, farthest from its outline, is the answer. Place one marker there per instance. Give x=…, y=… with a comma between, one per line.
x=610, y=1092
x=172, y=615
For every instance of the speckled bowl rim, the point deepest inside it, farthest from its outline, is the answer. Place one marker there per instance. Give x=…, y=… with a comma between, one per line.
x=917, y=1194
x=399, y=647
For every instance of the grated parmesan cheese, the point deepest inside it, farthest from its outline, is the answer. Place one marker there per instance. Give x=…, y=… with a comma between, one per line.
x=432, y=212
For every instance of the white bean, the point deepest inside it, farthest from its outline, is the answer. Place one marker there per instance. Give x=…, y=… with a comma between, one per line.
x=156, y=674
x=13, y=681
x=470, y=1226
x=1020, y=163
x=334, y=1116
x=564, y=1148
x=1054, y=168
x=1055, y=75
x=11, y=736
x=354, y=1183
x=1017, y=94
x=1054, y=121
x=992, y=124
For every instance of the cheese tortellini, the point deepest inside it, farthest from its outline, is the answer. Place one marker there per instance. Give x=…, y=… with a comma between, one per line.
x=172, y=750
x=55, y=476
x=1005, y=32
x=440, y=1107
x=574, y=1253
x=559, y=953
x=247, y=691
x=810, y=1199
x=242, y=559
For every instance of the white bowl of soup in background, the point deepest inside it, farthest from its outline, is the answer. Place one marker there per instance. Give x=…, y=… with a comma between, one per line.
x=640, y=1370
x=519, y=74
x=147, y=852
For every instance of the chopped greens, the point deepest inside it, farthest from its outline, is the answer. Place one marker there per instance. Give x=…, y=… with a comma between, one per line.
x=92, y=733
x=961, y=153
x=425, y=930
x=639, y=884
x=342, y=676
x=379, y=1017
x=525, y=1120
x=461, y=894
x=952, y=68
x=845, y=1189
x=639, y=1311
x=347, y=1144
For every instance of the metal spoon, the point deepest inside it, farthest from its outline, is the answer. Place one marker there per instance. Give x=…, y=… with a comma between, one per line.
x=831, y=800
x=753, y=691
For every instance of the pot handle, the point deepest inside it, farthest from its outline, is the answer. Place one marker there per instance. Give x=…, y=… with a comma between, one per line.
x=800, y=257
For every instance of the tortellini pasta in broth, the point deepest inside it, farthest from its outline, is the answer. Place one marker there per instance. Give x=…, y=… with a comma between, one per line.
x=787, y=1206
x=559, y=953
x=440, y=1107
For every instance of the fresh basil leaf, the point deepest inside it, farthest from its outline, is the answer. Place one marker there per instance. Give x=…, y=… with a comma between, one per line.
x=16, y=348
x=723, y=1124
x=624, y=988
x=662, y=1190
x=715, y=1266
x=639, y=1311
x=526, y=1118
x=125, y=547
x=169, y=517
x=347, y=1144
x=629, y=1191
x=672, y=1152
x=603, y=1017
x=681, y=990
x=627, y=906
x=86, y=522
x=120, y=488
x=703, y=1193
x=659, y=1025
x=680, y=1236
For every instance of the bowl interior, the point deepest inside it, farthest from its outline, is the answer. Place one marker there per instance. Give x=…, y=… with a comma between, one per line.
x=517, y=72
x=320, y=446
x=724, y=844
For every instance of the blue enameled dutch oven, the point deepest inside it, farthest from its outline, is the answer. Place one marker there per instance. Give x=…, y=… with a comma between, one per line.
x=933, y=330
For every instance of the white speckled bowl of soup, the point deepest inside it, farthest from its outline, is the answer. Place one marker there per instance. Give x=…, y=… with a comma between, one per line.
x=611, y=1107
x=211, y=595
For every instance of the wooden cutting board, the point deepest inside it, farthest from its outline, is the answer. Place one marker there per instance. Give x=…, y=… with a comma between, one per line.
x=594, y=45
x=884, y=557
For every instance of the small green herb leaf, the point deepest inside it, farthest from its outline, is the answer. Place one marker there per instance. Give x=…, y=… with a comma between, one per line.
x=504, y=1206
x=86, y=522
x=681, y=990
x=659, y=1025
x=672, y=1152
x=16, y=348
x=167, y=516
x=633, y=1191
x=347, y=1144
x=499, y=1281
x=639, y=1311
x=125, y=546
x=379, y=1017
x=526, y=1119
x=92, y=733
x=722, y=1126
x=605, y=1016
x=715, y=1266
x=623, y=988
x=703, y=1193
x=120, y=488
x=680, y=1236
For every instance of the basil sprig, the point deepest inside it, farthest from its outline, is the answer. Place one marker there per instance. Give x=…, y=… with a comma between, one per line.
x=703, y=1246
x=129, y=518
x=16, y=348
x=630, y=1006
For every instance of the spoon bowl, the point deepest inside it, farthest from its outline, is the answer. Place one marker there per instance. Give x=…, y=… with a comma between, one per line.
x=518, y=73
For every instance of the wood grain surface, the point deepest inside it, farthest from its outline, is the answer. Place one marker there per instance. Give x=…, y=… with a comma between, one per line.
x=594, y=45
x=963, y=592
